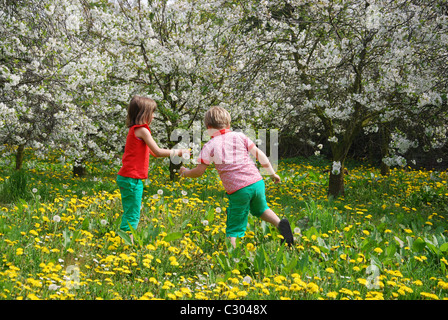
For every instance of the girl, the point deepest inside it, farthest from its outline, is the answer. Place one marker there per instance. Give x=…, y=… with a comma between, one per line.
x=139, y=144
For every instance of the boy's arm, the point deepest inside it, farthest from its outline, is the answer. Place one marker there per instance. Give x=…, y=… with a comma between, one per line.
x=265, y=163
x=193, y=173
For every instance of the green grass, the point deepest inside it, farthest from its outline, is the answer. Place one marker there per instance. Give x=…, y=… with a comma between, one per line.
x=59, y=238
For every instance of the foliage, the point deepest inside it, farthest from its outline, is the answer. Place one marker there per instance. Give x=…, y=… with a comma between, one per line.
x=329, y=70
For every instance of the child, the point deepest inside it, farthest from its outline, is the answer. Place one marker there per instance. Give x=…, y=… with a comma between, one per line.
x=139, y=144
x=240, y=177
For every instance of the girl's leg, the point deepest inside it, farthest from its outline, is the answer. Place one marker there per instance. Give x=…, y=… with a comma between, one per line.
x=131, y=197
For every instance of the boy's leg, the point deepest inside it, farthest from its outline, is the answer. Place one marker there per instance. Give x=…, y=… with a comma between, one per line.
x=237, y=214
x=282, y=225
x=271, y=217
x=233, y=241
x=260, y=209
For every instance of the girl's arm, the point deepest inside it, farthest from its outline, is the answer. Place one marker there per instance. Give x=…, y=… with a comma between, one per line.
x=146, y=136
x=265, y=163
x=193, y=173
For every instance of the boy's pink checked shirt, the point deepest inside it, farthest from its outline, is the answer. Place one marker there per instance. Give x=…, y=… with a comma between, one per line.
x=229, y=151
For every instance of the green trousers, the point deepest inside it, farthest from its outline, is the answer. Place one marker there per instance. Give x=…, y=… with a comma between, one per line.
x=250, y=199
x=131, y=199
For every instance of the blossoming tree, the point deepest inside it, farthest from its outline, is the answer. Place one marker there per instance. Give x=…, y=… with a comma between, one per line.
x=180, y=53
x=50, y=69
x=353, y=65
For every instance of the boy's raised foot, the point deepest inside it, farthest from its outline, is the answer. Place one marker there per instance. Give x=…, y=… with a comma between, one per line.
x=285, y=230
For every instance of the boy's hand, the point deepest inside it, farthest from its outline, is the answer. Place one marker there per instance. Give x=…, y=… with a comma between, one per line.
x=276, y=178
x=182, y=170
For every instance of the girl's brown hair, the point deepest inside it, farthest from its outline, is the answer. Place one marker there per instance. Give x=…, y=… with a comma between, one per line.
x=140, y=110
x=217, y=118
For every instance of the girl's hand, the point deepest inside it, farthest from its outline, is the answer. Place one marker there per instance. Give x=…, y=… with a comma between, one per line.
x=181, y=152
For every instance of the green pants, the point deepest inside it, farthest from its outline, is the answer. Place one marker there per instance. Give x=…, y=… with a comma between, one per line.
x=131, y=199
x=248, y=199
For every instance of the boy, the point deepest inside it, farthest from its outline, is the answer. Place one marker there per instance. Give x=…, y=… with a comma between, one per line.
x=245, y=188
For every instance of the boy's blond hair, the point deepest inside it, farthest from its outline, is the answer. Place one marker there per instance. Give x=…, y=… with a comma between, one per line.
x=217, y=118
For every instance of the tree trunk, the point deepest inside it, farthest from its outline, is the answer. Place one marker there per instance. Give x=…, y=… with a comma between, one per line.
x=19, y=156
x=336, y=183
x=174, y=171
x=385, y=169
x=79, y=170
x=385, y=139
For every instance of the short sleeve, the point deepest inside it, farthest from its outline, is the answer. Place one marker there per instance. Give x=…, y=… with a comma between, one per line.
x=204, y=155
x=248, y=143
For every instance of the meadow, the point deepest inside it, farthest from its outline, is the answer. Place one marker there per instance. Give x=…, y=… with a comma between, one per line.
x=59, y=238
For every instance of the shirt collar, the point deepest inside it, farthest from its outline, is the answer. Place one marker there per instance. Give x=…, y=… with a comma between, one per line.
x=220, y=132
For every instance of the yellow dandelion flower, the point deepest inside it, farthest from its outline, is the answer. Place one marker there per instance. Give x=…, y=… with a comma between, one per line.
x=378, y=250
x=242, y=294
x=443, y=284
x=362, y=281
x=346, y=291
x=329, y=270
x=312, y=287
x=250, y=247
x=429, y=295
x=418, y=282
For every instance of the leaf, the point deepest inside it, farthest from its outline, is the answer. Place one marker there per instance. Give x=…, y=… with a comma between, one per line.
x=260, y=261
x=433, y=248
x=170, y=219
x=390, y=250
x=224, y=263
x=323, y=246
x=211, y=216
x=290, y=266
x=444, y=247
x=125, y=236
x=264, y=228
x=151, y=233
x=173, y=236
x=185, y=222
x=85, y=224
x=401, y=243
x=303, y=262
x=312, y=231
x=137, y=237
x=418, y=245
x=66, y=236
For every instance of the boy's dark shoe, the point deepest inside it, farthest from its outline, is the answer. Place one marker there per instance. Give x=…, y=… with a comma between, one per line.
x=285, y=230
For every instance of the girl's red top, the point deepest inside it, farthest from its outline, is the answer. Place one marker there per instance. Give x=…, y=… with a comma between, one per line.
x=136, y=156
